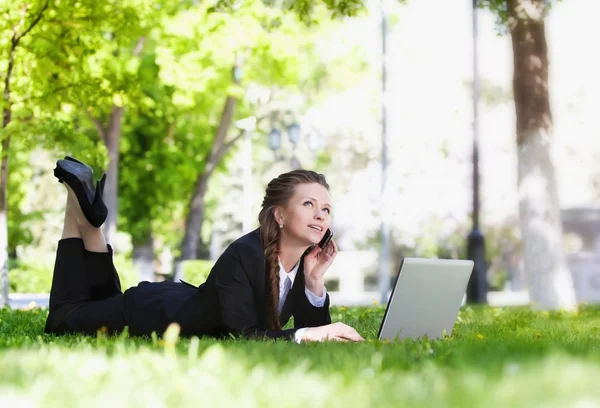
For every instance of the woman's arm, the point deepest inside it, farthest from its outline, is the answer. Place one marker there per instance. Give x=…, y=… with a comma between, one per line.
x=312, y=309
x=236, y=300
x=306, y=314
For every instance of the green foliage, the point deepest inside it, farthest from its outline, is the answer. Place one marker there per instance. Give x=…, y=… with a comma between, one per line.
x=19, y=173
x=51, y=60
x=184, y=76
x=34, y=276
x=303, y=9
x=128, y=274
x=169, y=64
x=500, y=10
x=196, y=271
x=149, y=184
x=30, y=277
x=495, y=357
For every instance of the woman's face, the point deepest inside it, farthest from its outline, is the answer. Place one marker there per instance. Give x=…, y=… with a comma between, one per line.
x=307, y=215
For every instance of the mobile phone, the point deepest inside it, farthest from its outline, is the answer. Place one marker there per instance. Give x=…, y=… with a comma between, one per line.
x=326, y=239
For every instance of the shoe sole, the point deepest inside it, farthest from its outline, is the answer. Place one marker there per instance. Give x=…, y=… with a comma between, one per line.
x=79, y=177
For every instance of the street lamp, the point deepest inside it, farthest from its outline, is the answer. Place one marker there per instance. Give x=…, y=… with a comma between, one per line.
x=294, y=135
x=384, y=270
x=275, y=139
x=248, y=125
x=237, y=73
x=477, y=287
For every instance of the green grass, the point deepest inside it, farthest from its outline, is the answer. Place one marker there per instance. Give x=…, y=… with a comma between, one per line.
x=495, y=357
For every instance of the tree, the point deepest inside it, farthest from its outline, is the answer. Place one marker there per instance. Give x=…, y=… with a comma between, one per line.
x=115, y=63
x=107, y=117
x=549, y=280
x=17, y=27
x=44, y=79
x=550, y=283
x=189, y=91
x=210, y=73
x=151, y=185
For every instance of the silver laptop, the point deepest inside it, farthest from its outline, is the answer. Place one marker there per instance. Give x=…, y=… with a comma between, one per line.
x=425, y=299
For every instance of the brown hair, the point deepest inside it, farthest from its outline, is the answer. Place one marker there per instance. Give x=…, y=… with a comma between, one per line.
x=278, y=193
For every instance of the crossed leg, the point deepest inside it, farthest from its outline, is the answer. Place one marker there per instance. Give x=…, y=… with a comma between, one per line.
x=77, y=226
x=86, y=291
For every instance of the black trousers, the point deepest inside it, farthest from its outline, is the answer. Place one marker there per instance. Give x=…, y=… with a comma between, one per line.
x=86, y=291
x=86, y=296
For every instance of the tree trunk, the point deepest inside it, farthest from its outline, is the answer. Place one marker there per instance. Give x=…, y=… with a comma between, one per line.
x=195, y=218
x=112, y=138
x=549, y=280
x=4, y=282
x=143, y=259
x=193, y=225
x=111, y=197
x=6, y=118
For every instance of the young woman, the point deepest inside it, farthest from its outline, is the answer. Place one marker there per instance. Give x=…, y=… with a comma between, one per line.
x=259, y=282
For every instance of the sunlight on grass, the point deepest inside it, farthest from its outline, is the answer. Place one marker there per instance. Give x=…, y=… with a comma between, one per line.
x=495, y=357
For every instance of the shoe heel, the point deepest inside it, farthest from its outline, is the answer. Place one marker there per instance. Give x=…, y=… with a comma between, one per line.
x=99, y=212
x=102, y=182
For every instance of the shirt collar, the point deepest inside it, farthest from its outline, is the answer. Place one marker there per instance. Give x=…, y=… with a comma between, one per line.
x=283, y=274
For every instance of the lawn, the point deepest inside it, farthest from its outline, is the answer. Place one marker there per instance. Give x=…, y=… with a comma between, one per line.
x=495, y=357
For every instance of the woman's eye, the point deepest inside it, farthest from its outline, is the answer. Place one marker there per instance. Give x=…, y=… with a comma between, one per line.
x=307, y=202
x=328, y=210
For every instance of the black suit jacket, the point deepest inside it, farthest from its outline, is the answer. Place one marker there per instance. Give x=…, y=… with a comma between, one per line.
x=233, y=298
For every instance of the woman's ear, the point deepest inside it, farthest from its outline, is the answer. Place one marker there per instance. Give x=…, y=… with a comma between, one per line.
x=277, y=215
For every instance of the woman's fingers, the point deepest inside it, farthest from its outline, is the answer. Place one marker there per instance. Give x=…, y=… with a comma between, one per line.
x=353, y=336
x=347, y=332
x=330, y=250
x=332, y=332
x=338, y=338
x=314, y=253
x=335, y=248
x=346, y=338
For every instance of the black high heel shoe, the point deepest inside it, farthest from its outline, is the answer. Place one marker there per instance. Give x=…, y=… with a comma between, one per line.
x=80, y=177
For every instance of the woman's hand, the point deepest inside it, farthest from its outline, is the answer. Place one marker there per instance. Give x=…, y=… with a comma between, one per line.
x=335, y=331
x=316, y=263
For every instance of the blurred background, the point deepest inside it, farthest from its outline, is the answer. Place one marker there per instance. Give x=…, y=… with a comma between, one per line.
x=191, y=108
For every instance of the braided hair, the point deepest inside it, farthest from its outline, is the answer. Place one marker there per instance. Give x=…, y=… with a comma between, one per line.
x=278, y=193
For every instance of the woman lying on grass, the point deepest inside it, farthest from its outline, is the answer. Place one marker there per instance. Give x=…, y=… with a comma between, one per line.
x=258, y=283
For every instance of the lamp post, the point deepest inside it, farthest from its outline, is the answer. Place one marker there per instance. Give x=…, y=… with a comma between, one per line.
x=275, y=140
x=293, y=131
x=247, y=125
x=294, y=135
x=384, y=251
x=477, y=287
